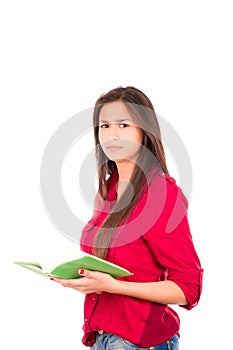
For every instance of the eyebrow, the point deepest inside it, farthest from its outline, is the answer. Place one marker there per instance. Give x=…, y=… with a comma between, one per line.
x=115, y=121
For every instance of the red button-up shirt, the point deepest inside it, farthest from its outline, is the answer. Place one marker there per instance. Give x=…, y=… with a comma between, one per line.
x=155, y=245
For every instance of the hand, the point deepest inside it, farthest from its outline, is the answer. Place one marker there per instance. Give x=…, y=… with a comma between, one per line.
x=92, y=282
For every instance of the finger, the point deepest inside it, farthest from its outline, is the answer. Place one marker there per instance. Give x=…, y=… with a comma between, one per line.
x=66, y=282
x=84, y=273
x=57, y=279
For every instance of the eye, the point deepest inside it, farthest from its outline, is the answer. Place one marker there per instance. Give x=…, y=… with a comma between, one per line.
x=104, y=126
x=123, y=125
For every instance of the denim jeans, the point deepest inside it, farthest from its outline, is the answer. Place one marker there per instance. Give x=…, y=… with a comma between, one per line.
x=108, y=341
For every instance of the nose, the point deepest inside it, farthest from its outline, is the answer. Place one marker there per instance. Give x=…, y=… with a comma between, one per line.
x=114, y=132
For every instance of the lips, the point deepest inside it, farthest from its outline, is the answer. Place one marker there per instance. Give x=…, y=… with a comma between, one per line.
x=113, y=148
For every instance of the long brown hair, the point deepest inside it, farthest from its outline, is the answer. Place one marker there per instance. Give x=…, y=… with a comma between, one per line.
x=151, y=156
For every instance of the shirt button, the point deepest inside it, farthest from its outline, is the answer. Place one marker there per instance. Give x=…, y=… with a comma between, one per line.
x=85, y=320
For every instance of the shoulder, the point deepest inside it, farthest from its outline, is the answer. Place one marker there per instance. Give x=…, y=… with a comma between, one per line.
x=165, y=184
x=167, y=181
x=167, y=197
x=162, y=177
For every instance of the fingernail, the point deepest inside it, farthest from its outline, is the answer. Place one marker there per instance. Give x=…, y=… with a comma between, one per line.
x=51, y=278
x=81, y=272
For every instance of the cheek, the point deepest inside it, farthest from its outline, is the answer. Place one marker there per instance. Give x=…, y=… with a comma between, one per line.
x=102, y=137
x=131, y=147
x=134, y=148
x=140, y=136
x=137, y=136
x=140, y=139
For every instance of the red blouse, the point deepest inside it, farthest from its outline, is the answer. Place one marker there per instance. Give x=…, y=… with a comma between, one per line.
x=155, y=245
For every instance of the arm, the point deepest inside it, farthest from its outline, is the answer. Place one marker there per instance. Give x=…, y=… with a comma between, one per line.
x=164, y=292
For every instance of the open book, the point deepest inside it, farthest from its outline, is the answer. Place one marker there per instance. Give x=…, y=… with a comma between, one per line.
x=69, y=269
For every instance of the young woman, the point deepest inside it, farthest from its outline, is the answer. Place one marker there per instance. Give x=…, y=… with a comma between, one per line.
x=140, y=223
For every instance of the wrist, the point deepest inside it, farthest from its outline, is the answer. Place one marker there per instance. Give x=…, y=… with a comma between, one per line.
x=113, y=287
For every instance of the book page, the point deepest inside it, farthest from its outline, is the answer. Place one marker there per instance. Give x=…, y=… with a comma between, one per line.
x=48, y=263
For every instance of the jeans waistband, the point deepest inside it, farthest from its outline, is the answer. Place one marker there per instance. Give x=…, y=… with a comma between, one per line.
x=102, y=334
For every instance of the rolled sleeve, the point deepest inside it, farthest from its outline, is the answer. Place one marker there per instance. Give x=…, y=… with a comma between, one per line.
x=191, y=289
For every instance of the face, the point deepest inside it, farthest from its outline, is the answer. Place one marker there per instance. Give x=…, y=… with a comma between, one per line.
x=119, y=136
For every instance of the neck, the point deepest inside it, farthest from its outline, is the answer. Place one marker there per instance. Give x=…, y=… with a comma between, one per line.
x=125, y=170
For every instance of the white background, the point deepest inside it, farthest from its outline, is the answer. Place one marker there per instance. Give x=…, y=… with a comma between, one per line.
x=57, y=57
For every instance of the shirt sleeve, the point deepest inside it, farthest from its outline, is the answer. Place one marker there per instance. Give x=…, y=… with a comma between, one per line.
x=171, y=243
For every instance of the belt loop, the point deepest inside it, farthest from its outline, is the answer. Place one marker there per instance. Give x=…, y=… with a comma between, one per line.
x=168, y=345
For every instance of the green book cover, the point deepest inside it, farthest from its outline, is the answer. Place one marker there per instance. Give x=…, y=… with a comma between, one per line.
x=69, y=269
